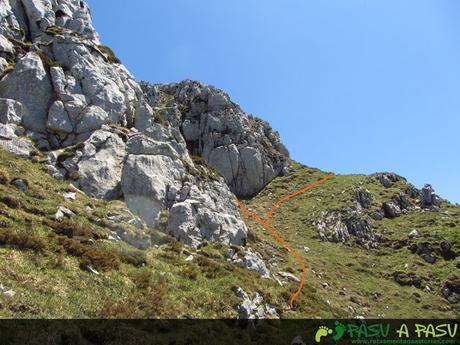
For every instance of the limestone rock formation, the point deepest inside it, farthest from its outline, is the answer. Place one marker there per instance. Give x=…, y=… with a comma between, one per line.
x=244, y=149
x=155, y=146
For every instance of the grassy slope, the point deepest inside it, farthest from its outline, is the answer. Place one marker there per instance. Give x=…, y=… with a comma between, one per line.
x=349, y=270
x=40, y=258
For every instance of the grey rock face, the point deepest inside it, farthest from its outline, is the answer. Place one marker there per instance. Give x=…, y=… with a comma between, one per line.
x=10, y=111
x=244, y=149
x=98, y=165
x=29, y=84
x=192, y=222
x=12, y=143
x=66, y=89
x=145, y=183
x=58, y=119
x=361, y=227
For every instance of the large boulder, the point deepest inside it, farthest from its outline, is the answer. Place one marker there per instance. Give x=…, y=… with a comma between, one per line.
x=29, y=84
x=146, y=180
x=192, y=222
x=97, y=166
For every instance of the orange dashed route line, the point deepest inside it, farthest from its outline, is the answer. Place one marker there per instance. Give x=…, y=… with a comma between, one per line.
x=266, y=224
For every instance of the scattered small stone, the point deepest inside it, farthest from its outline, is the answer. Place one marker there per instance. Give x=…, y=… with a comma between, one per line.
x=9, y=293
x=306, y=249
x=113, y=238
x=90, y=269
x=325, y=285
x=252, y=261
x=429, y=258
x=289, y=276
x=70, y=196
x=63, y=212
x=352, y=310
x=414, y=234
x=21, y=184
x=189, y=258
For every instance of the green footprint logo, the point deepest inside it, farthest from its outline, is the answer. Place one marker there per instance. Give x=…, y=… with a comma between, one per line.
x=323, y=331
x=339, y=331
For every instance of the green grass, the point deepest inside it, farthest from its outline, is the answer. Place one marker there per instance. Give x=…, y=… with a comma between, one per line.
x=43, y=260
x=349, y=270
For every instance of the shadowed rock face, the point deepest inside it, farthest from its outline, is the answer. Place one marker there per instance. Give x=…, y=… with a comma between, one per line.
x=155, y=146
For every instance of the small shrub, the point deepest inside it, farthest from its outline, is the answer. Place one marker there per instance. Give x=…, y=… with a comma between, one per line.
x=54, y=30
x=73, y=228
x=11, y=202
x=98, y=258
x=22, y=239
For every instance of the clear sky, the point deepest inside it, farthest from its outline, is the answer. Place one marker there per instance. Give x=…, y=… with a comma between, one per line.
x=353, y=86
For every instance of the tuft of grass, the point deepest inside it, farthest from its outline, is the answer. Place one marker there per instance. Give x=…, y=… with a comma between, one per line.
x=109, y=54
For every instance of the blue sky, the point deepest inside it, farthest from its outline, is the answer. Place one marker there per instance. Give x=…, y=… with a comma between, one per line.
x=353, y=86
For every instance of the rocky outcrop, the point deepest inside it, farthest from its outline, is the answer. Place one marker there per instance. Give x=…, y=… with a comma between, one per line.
x=244, y=149
x=331, y=228
x=364, y=197
x=451, y=289
x=335, y=226
x=391, y=210
x=253, y=308
x=386, y=179
x=428, y=197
